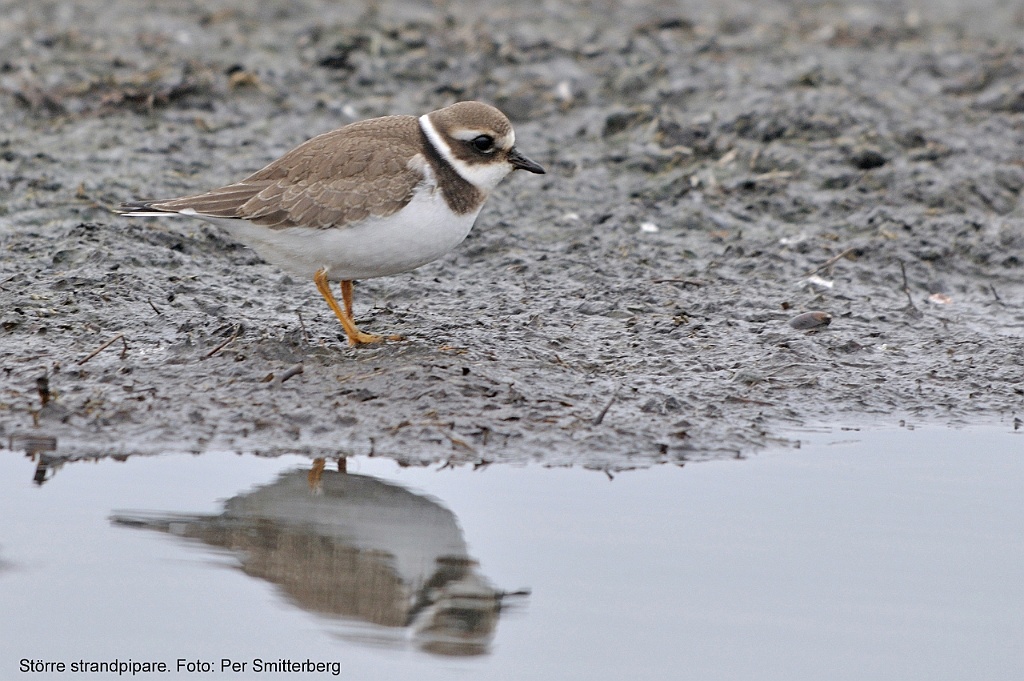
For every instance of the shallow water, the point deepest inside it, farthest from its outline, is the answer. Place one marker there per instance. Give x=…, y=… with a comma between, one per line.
x=884, y=555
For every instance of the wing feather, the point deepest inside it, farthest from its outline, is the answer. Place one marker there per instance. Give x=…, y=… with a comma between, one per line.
x=335, y=179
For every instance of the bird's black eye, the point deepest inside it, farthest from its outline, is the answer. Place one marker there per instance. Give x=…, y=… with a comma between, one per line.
x=483, y=143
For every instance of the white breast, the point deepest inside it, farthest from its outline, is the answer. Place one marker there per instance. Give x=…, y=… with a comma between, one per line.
x=421, y=232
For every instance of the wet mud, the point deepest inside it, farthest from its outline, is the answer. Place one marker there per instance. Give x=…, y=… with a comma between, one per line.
x=755, y=219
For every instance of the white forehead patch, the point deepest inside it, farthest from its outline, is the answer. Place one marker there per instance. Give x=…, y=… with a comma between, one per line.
x=485, y=176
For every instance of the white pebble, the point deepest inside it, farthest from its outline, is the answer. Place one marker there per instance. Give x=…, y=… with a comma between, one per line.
x=815, y=280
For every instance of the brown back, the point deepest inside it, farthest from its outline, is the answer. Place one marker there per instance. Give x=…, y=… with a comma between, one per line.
x=334, y=179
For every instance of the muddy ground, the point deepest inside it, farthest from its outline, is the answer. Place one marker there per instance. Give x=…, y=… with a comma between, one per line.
x=713, y=173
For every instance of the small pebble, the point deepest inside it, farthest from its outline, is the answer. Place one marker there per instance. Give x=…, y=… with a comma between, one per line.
x=867, y=158
x=810, y=320
x=815, y=280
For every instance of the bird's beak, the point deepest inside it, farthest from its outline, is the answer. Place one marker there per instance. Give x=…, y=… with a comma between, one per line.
x=520, y=162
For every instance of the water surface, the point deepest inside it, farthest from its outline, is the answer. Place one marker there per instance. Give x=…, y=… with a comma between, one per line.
x=888, y=555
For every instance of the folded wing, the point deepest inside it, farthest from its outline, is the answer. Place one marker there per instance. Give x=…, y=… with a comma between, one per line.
x=335, y=179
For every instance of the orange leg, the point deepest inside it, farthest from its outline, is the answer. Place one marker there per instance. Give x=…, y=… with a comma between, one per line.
x=346, y=300
x=315, y=474
x=355, y=336
x=346, y=297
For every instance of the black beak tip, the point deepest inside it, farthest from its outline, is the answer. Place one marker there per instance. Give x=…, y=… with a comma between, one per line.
x=520, y=162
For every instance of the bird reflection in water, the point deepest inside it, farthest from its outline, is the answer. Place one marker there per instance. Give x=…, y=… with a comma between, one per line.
x=355, y=547
x=41, y=449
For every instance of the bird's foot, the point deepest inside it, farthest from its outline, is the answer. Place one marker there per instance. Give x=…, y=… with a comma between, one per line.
x=360, y=338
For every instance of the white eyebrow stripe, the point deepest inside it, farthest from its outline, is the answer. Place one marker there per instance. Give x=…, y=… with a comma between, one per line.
x=466, y=134
x=502, y=142
x=435, y=139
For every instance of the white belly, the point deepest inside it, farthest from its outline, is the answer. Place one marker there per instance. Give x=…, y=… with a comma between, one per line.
x=421, y=232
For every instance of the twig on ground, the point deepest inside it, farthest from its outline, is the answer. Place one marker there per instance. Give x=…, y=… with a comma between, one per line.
x=103, y=347
x=906, y=286
x=600, y=417
x=293, y=370
x=223, y=345
x=831, y=261
x=273, y=380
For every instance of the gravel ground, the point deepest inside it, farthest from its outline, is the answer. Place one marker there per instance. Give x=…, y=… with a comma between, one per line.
x=712, y=174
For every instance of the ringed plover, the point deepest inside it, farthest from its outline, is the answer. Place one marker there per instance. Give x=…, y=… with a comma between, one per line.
x=373, y=198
